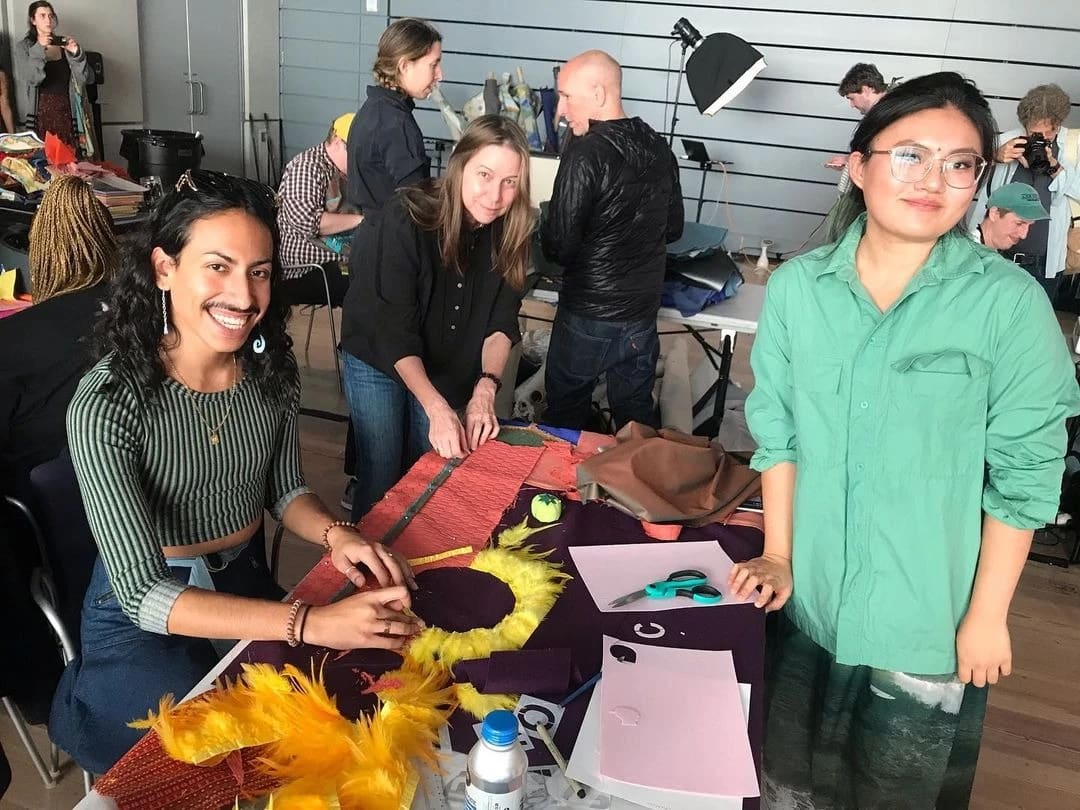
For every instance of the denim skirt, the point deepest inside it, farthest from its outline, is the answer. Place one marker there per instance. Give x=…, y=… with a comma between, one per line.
x=121, y=672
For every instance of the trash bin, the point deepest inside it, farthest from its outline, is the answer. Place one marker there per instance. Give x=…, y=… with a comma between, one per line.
x=165, y=153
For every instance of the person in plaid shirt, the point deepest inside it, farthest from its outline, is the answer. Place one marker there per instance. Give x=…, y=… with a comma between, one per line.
x=312, y=208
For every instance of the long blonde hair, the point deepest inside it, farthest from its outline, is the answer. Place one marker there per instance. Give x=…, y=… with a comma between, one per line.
x=439, y=207
x=409, y=39
x=72, y=245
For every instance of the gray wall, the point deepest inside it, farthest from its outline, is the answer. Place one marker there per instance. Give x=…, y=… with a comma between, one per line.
x=778, y=132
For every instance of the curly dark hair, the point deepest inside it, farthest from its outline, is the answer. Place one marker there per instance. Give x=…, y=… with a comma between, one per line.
x=131, y=329
x=862, y=74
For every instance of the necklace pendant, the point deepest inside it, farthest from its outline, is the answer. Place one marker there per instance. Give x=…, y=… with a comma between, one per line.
x=215, y=440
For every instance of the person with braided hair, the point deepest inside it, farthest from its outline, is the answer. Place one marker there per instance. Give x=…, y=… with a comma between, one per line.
x=385, y=146
x=42, y=348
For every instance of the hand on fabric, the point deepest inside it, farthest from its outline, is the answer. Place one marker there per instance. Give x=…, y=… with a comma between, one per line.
x=1012, y=150
x=983, y=650
x=446, y=434
x=71, y=46
x=481, y=423
x=348, y=550
x=770, y=572
x=364, y=620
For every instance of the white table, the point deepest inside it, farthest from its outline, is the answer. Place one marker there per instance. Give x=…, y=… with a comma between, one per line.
x=736, y=315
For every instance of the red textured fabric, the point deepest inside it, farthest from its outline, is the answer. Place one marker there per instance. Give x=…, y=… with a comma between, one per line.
x=464, y=510
x=147, y=779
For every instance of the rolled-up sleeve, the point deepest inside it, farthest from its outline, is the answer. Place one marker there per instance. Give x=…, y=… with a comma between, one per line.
x=1032, y=391
x=769, y=405
x=504, y=313
x=105, y=438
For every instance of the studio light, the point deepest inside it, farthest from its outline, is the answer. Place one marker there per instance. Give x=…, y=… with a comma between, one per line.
x=719, y=68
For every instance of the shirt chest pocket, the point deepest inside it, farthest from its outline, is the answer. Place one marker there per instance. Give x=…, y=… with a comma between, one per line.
x=816, y=410
x=937, y=416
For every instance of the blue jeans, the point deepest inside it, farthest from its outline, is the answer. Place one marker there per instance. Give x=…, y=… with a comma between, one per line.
x=390, y=430
x=121, y=671
x=581, y=350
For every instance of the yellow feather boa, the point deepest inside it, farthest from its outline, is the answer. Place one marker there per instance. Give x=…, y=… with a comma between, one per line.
x=325, y=762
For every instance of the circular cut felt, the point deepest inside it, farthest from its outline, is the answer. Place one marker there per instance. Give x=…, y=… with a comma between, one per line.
x=460, y=599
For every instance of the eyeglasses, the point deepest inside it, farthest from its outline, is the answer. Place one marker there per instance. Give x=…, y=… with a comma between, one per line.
x=202, y=180
x=910, y=164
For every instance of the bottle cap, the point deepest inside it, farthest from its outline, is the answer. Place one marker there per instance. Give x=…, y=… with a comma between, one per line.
x=500, y=727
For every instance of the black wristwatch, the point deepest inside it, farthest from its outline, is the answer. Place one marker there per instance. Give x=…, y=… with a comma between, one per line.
x=487, y=375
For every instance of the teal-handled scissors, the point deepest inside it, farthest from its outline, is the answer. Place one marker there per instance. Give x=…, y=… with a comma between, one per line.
x=690, y=584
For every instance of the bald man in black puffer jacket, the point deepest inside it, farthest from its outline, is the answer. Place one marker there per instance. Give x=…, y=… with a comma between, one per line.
x=617, y=202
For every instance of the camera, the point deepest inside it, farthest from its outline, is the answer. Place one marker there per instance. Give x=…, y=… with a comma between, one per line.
x=57, y=40
x=1035, y=153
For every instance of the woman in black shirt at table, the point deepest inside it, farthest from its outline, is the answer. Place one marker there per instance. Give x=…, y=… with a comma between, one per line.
x=431, y=315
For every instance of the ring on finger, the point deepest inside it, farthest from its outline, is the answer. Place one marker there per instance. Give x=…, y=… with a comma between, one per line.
x=388, y=625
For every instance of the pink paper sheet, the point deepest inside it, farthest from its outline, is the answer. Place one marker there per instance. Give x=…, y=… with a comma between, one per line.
x=613, y=571
x=673, y=720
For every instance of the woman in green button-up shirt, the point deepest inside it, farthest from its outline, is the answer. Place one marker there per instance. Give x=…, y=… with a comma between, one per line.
x=911, y=389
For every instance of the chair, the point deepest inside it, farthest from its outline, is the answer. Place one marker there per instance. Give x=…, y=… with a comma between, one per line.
x=67, y=553
x=311, y=268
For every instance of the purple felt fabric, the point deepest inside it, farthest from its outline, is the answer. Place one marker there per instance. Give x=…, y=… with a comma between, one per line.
x=544, y=673
x=460, y=598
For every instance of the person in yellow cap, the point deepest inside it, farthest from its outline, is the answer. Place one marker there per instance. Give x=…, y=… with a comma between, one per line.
x=312, y=211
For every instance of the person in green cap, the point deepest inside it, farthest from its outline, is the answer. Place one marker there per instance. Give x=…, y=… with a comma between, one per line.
x=1010, y=211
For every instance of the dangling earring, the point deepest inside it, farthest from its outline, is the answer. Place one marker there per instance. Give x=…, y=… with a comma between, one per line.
x=259, y=345
x=164, y=315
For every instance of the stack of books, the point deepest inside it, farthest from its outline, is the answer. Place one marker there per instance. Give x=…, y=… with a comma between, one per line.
x=122, y=197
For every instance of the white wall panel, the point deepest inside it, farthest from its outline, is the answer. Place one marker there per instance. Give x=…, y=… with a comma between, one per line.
x=778, y=132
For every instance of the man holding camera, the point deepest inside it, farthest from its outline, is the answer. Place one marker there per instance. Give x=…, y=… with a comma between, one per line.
x=1037, y=155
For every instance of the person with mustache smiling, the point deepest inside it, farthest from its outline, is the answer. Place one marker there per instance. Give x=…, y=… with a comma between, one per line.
x=182, y=436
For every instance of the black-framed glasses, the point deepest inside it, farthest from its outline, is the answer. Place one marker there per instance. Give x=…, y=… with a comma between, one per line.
x=911, y=163
x=204, y=180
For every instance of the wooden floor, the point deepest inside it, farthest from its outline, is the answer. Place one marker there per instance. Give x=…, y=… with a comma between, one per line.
x=1031, y=744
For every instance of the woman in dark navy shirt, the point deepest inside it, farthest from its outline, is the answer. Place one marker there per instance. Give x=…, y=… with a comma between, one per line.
x=385, y=145
x=429, y=320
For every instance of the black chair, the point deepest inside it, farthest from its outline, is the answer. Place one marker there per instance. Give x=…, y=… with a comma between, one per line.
x=57, y=520
x=329, y=305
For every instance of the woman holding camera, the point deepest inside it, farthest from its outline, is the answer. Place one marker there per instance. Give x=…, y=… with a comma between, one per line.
x=1041, y=155
x=51, y=72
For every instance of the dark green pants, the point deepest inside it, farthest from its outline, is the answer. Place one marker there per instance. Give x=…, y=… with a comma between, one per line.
x=843, y=737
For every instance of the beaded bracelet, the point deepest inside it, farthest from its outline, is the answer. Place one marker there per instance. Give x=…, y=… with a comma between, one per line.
x=290, y=626
x=335, y=524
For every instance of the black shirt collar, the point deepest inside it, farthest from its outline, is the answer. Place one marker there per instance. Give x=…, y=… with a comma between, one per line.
x=394, y=97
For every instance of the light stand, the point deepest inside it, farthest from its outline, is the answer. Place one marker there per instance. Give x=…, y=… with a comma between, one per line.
x=689, y=37
x=678, y=87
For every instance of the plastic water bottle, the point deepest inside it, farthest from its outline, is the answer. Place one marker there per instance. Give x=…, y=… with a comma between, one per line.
x=495, y=779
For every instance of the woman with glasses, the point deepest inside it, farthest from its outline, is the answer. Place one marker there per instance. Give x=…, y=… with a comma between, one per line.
x=182, y=436
x=911, y=390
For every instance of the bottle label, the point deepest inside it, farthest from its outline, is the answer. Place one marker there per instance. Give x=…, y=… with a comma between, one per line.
x=477, y=799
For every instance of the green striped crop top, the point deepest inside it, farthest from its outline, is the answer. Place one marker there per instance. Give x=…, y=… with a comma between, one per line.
x=150, y=478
